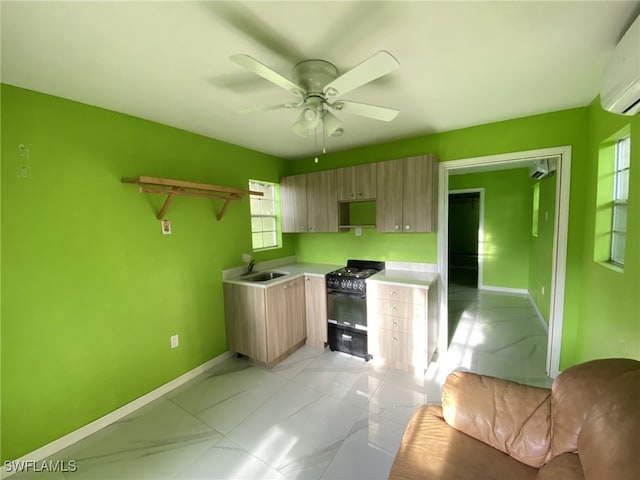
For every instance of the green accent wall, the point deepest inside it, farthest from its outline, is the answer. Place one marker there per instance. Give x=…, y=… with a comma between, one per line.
x=507, y=224
x=541, y=247
x=91, y=289
x=610, y=308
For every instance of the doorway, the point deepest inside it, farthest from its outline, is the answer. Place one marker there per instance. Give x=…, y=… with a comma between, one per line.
x=464, y=239
x=557, y=288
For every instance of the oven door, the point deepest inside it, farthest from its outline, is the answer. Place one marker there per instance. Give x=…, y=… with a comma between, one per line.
x=347, y=309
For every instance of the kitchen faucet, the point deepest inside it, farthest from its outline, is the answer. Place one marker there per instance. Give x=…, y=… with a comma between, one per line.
x=252, y=264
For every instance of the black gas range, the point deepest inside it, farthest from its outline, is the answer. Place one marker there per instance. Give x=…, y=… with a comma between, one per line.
x=347, y=306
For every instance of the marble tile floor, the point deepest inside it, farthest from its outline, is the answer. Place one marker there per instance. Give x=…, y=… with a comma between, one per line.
x=317, y=415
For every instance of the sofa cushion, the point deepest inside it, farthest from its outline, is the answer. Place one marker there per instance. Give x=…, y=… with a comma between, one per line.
x=431, y=449
x=574, y=393
x=511, y=417
x=563, y=467
x=609, y=442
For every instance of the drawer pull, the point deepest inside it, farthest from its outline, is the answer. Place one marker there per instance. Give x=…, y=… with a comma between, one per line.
x=394, y=339
x=394, y=309
x=394, y=293
x=346, y=337
x=395, y=324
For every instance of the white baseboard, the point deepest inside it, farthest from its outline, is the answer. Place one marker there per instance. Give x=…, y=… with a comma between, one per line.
x=539, y=314
x=517, y=291
x=83, y=432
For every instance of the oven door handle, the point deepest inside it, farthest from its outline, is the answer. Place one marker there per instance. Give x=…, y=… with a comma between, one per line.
x=339, y=293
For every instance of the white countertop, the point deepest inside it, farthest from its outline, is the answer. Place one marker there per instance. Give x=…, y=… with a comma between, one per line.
x=291, y=271
x=406, y=277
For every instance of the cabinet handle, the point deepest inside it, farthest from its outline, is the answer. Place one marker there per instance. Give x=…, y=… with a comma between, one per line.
x=285, y=286
x=407, y=227
x=395, y=324
x=396, y=227
x=308, y=280
x=394, y=309
x=346, y=337
x=359, y=194
x=393, y=294
x=395, y=340
x=351, y=194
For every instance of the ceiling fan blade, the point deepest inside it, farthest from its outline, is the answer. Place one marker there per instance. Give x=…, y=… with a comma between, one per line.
x=373, y=67
x=267, y=73
x=270, y=107
x=330, y=123
x=366, y=110
x=250, y=25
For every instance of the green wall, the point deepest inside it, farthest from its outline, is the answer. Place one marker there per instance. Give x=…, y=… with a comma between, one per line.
x=609, y=311
x=541, y=247
x=507, y=224
x=91, y=289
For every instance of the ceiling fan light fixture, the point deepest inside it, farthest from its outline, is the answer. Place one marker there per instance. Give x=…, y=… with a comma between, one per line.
x=310, y=115
x=330, y=123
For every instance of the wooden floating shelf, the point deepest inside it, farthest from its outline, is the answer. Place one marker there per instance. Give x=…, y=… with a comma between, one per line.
x=171, y=188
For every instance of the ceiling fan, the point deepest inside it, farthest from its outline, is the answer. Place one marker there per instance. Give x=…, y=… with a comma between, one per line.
x=319, y=89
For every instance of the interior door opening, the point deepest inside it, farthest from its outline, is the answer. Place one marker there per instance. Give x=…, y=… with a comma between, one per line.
x=560, y=235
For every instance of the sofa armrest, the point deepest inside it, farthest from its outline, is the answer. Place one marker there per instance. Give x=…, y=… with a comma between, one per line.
x=511, y=417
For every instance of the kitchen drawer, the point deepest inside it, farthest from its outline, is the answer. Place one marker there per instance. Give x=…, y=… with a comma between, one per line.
x=402, y=351
x=402, y=309
x=402, y=294
x=416, y=327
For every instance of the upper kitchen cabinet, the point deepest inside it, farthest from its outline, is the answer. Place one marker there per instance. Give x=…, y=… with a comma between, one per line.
x=309, y=202
x=322, y=201
x=293, y=203
x=356, y=183
x=406, y=198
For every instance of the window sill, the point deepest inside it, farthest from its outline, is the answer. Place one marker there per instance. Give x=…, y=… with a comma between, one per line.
x=612, y=266
x=266, y=248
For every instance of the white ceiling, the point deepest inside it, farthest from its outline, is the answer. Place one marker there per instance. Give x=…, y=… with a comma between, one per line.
x=461, y=63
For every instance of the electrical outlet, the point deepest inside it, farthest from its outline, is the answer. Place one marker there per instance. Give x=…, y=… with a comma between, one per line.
x=175, y=341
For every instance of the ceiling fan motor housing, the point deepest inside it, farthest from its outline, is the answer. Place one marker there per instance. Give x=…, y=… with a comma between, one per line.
x=313, y=76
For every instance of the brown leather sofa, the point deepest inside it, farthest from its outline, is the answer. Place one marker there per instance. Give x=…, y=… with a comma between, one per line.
x=586, y=427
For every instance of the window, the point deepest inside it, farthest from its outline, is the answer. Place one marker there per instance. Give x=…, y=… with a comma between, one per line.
x=536, y=209
x=620, y=197
x=264, y=217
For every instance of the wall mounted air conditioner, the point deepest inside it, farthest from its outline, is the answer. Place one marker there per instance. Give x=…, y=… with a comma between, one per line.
x=543, y=167
x=620, y=92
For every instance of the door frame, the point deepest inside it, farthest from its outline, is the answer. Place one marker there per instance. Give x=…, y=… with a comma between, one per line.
x=480, y=249
x=560, y=237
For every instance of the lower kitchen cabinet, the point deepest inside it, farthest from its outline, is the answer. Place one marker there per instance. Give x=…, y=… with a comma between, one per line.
x=316, y=309
x=402, y=325
x=265, y=324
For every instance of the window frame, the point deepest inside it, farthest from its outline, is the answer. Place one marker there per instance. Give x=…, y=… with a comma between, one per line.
x=620, y=200
x=275, y=234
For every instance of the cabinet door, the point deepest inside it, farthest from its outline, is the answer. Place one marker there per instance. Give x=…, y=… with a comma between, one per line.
x=322, y=201
x=346, y=181
x=245, y=321
x=316, y=310
x=296, y=310
x=389, y=196
x=293, y=203
x=285, y=317
x=365, y=179
x=419, y=194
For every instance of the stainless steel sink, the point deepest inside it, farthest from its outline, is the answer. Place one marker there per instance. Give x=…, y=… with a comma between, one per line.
x=264, y=276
